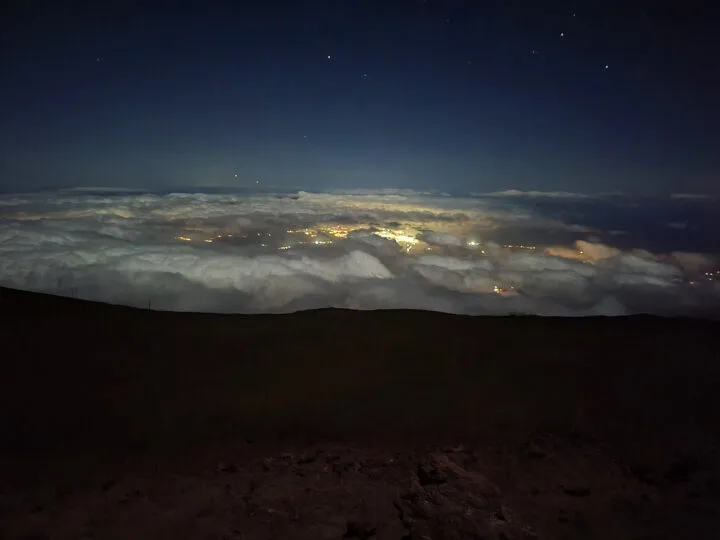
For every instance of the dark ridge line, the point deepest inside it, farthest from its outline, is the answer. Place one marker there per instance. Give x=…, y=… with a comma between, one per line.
x=33, y=301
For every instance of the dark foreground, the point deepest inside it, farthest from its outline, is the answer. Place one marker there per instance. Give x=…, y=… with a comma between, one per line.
x=123, y=423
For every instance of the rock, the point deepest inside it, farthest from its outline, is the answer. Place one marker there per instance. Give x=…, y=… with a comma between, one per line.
x=455, y=449
x=130, y=496
x=361, y=531
x=108, y=485
x=430, y=476
x=643, y=473
x=476, y=481
x=683, y=469
x=535, y=451
x=333, y=529
x=309, y=458
x=342, y=467
x=392, y=530
x=413, y=505
x=576, y=491
x=227, y=468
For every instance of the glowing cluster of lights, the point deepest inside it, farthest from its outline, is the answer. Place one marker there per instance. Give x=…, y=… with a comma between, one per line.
x=210, y=240
x=474, y=244
x=312, y=234
x=338, y=231
x=404, y=238
x=307, y=232
x=503, y=290
x=399, y=236
x=709, y=276
x=324, y=234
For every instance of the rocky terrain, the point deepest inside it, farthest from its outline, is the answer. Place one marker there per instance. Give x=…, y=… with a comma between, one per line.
x=121, y=423
x=547, y=489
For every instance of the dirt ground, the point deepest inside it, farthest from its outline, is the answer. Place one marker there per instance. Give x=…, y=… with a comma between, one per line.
x=123, y=423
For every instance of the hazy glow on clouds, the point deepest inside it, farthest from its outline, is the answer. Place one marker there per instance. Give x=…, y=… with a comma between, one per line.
x=359, y=249
x=548, y=194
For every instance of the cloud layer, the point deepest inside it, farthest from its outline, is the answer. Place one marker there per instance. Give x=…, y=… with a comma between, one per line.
x=283, y=252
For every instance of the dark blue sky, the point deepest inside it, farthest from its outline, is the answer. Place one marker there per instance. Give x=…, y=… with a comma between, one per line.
x=460, y=96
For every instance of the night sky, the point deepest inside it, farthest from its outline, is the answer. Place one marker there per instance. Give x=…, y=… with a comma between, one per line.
x=458, y=96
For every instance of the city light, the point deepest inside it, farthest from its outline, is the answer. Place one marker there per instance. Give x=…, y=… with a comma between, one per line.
x=340, y=231
x=399, y=236
x=505, y=291
x=328, y=233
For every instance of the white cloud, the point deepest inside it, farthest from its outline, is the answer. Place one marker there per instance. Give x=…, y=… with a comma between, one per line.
x=548, y=194
x=248, y=253
x=440, y=238
x=636, y=264
x=693, y=262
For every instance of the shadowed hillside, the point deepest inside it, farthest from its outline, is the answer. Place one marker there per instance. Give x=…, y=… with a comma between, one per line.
x=123, y=385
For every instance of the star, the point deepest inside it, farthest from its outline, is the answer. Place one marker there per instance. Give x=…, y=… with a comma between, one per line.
x=329, y=57
x=236, y=175
x=97, y=59
x=606, y=66
x=562, y=34
x=364, y=75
